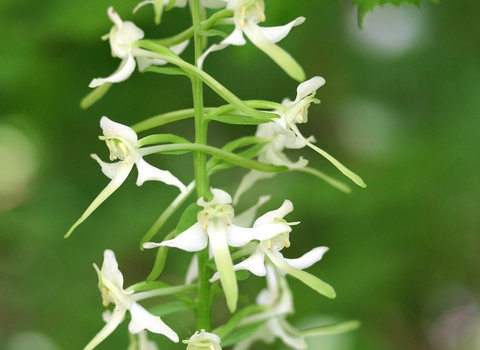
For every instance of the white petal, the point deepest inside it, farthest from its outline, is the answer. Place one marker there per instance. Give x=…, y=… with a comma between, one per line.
x=115, y=319
x=145, y=62
x=218, y=243
x=193, y=239
x=248, y=181
x=309, y=87
x=141, y=4
x=109, y=169
x=117, y=130
x=310, y=280
x=269, y=217
x=276, y=328
x=247, y=218
x=110, y=269
x=147, y=172
x=219, y=197
x=280, y=159
x=235, y=38
x=123, y=72
x=179, y=48
x=114, y=17
x=262, y=334
x=117, y=180
x=129, y=33
x=255, y=263
x=142, y=319
x=276, y=53
x=275, y=34
x=308, y=259
x=240, y=236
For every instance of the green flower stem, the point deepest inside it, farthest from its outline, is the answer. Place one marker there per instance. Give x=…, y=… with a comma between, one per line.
x=166, y=118
x=203, y=312
x=167, y=55
x=190, y=32
x=227, y=156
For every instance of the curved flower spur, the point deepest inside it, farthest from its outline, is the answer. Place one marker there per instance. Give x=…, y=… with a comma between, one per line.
x=122, y=142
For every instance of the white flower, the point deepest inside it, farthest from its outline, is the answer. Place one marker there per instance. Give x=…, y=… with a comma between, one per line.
x=271, y=153
x=279, y=300
x=271, y=247
x=122, y=37
x=247, y=15
x=215, y=226
x=122, y=142
x=203, y=341
x=297, y=112
x=110, y=283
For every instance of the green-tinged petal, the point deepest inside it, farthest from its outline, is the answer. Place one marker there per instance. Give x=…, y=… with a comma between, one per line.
x=217, y=233
x=248, y=181
x=191, y=240
x=348, y=173
x=115, y=319
x=95, y=95
x=332, y=329
x=146, y=172
x=276, y=53
x=246, y=218
x=277, y=328
x=124, y=71
x=117, y=180
x=313, y=282
x=142, y=319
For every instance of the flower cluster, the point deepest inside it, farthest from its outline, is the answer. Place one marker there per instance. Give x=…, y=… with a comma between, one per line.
x=224, y=244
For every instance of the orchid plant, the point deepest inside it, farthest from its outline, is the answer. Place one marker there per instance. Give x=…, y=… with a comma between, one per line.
x=226, y=247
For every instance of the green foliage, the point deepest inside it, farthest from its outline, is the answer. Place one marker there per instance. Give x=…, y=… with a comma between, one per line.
x=188, y=218
x=365, y=6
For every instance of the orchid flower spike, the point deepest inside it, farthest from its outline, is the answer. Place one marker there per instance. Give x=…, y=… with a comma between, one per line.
x=122, y=142
x=203, y=341
x=122, y=37
x=215, y=226
x=247, y=15
x=278, y=299
x=110, y=283
x=271, y=247
x=297, y=112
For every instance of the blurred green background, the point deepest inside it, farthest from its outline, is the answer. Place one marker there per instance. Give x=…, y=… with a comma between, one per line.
x=401, y=108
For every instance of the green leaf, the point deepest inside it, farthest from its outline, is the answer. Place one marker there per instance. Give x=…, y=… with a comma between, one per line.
x=188, y=218
x=241, y=334
x=236, y=119
x=165, y=70
x=332, y=329
x=365, y=6
x=171, y=308
x=95, y=95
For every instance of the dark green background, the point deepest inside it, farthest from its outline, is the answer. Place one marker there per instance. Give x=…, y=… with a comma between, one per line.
x=403, y=253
